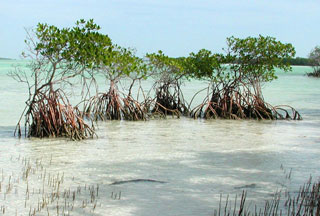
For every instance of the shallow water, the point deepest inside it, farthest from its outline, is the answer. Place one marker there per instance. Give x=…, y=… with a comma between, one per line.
x=198, y=160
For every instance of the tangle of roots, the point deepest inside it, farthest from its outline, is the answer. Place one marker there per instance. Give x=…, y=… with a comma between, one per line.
x=51, y=115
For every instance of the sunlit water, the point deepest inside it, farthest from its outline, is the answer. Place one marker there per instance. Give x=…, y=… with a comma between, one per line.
x=197, y=159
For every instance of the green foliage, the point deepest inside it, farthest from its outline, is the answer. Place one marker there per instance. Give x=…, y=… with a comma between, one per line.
x=236, y=76
x=72, y=51
x=204, y=65
x=257, y=57
x=245, y=59
x=82, y=44
x=123, y=62
x=161, y=64
x=297, y=61
x=57, y=56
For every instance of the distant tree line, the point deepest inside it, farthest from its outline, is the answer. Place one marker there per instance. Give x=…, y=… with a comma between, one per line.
x=298, y=61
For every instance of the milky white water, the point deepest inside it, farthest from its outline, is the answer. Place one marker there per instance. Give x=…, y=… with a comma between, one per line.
x=197, y=159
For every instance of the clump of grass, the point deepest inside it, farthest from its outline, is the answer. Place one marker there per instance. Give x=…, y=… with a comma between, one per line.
x=305, y=202
x=45, y=192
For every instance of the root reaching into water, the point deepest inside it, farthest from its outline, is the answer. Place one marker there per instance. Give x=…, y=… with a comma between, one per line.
x=169, y=100
x=113, y=106
x=240, y=103
x=284, y=111
x=51, y=115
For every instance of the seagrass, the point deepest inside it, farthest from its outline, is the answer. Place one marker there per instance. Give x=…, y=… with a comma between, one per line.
x=304, y=202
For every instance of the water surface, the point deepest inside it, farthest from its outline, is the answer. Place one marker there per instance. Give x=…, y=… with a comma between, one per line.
x=198, y=159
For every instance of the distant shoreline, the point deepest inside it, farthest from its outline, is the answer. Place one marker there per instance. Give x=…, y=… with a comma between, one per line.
x=6, y=58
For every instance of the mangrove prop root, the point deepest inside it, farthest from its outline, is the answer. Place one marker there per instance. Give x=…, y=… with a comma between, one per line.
x=233, y=103
x=51, y=115
x=111, y=106
x=169, y=101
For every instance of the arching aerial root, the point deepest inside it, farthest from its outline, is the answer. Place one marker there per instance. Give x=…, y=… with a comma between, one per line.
x=236, y=105
x=160, y=111
x=111, y=106
x=167, y=103
x=51, y=115
x=284, y=111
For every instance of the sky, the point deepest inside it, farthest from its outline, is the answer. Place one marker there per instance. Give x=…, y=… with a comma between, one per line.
x=177, y=27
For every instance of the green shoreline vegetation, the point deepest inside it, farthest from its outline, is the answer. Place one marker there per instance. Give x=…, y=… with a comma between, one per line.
x=58, y=56
x=298, y=61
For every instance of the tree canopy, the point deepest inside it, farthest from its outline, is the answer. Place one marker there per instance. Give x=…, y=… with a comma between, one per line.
x=257, y=57
x=248, y=58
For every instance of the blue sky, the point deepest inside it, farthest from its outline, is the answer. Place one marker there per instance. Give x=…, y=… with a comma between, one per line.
x=176, y=27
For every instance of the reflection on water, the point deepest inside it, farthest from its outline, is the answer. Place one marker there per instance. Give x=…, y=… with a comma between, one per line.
x=198, y=160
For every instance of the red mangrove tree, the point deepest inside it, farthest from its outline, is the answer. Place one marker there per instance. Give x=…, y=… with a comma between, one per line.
x=55, y=57
x=167, y=74
x=236, y=77
x=120, y=65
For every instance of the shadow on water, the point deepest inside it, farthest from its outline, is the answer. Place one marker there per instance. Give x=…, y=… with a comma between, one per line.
x=310, y=112
x=7, y=131
x=192, y=187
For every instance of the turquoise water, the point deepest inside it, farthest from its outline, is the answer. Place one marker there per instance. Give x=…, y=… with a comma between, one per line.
x=198, y=160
